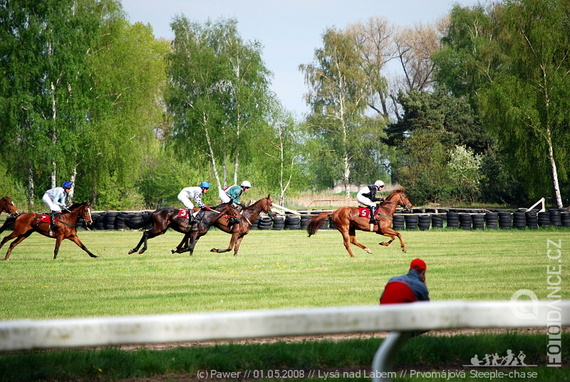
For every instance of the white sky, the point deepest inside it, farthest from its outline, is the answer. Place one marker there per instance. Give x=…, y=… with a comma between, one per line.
x=289, y=30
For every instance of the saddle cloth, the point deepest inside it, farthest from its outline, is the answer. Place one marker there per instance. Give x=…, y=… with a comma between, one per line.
x=43, y=218
x=364, y=212
x=183, y=213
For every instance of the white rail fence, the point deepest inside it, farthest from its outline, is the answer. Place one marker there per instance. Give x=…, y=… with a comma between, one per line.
x=397, y=319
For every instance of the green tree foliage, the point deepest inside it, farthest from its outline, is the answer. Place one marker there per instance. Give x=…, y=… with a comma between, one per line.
x=514, y=58
x=345, y=139
x=126, y=111
x=218, y=96
x=43, y=86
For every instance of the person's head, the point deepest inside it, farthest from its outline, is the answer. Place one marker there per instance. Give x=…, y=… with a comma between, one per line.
x=379, y=184
x=245, y=185
x=205, y=186
x=66, y=186
x=420, y=266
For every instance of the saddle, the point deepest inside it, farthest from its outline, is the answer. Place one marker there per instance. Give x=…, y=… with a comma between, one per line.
x=44, y=218
x=364, y=212
x=183, y=213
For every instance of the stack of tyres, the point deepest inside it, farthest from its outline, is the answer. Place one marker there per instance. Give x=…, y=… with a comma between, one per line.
x=437, y=221
x=264, y=223
x=465, y=221
x=120, y=220
x=411, y=222
x=531, y=219
x=305, y=221
x=452, y=219
x=519, y=219
x=505, y=220
x=424, y=222
x=544, y=219
x=492, y=220
x=555, y=217
x=398, y=222
x=99, y=220
x=478, y=221
x=110, y=220
x=278, y=222
x=293, y=222
x=565, y=218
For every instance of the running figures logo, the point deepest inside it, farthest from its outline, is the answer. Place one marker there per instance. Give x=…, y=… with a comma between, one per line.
x=495, y=360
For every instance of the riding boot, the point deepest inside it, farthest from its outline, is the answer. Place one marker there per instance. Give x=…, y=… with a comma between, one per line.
x=52, y=227
x=372, y=218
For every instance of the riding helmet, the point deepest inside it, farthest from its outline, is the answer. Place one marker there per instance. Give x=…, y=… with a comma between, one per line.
x=205, y=185
x=246, y=184
x=67, y=185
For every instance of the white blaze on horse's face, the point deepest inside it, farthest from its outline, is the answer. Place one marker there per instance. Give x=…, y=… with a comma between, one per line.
x=89, y=218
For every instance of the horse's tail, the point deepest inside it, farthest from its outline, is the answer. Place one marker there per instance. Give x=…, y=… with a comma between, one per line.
x=8, y=223
x=316, y=222
x=136, y=224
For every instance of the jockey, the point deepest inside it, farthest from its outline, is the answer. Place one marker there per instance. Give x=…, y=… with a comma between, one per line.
x=194, y=193
x=55, y=200
x=367, y=196
x=233, y=193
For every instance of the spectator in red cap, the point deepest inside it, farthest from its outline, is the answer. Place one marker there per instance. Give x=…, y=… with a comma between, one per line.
x=407, y=288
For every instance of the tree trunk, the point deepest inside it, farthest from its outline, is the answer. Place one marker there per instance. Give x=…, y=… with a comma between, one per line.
x=553, y=169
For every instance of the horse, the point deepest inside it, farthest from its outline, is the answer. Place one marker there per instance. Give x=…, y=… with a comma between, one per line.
x=237, y=229
x=347, y=220
x=31, y=222
x=7, y=205
x=177, y=219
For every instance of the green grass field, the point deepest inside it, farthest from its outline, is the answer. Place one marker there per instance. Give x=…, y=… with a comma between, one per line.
x=274, y=269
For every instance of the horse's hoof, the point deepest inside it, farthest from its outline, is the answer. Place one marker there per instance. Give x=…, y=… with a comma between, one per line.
x=403, y=250
x=215, y=250
x=131, y=251
x=368, y=250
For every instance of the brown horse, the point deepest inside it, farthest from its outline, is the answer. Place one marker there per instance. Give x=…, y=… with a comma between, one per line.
x=237, y=229
x=7, y=205
x=169, y=218
x=26, y=224
x=347, y=221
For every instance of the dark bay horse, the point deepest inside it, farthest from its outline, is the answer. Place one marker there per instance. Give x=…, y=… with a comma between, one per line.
x=169, y=218
x=7, y=205
x=28, y=223
x=347, y=221
x=237, y=229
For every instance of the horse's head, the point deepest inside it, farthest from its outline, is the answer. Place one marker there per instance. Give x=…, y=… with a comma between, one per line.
x=267, y=205
x=85, y=213
x=8, y=206
x=401, y=199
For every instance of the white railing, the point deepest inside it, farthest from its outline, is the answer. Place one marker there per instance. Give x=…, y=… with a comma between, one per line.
x=397, y=319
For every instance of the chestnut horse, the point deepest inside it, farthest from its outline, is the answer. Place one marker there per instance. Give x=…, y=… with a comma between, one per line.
x=7, y=205
x=28, y=223
x=238, y=229
x=347, y=221
x=168, y=218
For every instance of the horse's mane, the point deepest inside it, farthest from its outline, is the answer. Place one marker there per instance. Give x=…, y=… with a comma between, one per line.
x=75, y=205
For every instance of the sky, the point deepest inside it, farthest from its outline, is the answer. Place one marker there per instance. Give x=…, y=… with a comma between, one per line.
x=288, y=30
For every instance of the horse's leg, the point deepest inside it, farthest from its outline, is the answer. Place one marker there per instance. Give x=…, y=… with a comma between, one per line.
x=16, y=242
x=184, y=244
x=8, y=238
x=230, y=247
x=346, y=240
x=392, y=234
x=352, y=239
x=237, y=244
x=76, y=240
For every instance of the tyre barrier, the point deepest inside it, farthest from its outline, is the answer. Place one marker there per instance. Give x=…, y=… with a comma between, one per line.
x=453, y=219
